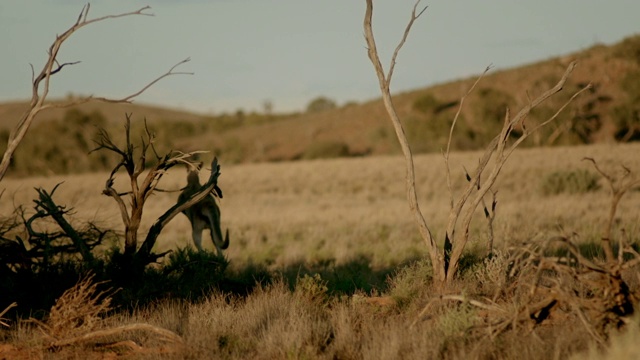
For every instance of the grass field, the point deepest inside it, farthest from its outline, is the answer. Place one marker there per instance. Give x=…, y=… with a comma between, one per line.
x=307, y=210
x=350, y=216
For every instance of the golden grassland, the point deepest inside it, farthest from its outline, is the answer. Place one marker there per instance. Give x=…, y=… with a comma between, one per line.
x=312, y=210
x=334, y=211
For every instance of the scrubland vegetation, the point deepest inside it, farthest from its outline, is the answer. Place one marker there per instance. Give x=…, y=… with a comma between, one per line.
x=325, y=262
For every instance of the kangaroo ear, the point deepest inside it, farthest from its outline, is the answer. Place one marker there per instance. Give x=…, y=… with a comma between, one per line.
x=194, y=167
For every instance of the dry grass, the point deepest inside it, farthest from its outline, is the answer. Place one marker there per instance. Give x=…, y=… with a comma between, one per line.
x=284, y=215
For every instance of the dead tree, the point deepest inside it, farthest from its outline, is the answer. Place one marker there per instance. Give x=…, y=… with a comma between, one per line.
x=445, y=261
x=135, y=165
x=41, y=82
x=38, y=248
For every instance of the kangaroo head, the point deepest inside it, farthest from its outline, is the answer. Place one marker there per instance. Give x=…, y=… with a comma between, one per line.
x=193, y=175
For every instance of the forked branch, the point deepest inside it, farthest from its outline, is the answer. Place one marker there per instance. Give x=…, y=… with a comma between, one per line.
x=619, y=186
x=385, y=82
x=134, y=160
x=40, y=83
x=445, y=262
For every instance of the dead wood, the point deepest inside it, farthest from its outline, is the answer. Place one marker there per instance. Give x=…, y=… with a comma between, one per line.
x=445, y=262
x=40, y=83
x=134, y=160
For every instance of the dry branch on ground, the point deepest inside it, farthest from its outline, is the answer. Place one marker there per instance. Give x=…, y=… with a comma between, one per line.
x=77, y=318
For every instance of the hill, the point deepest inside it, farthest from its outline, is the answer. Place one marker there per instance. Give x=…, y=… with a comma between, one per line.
x=608, y=113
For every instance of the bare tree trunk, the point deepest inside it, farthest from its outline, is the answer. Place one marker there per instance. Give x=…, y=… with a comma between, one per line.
x=385, y=81
x=445, y=263
x=135, y=166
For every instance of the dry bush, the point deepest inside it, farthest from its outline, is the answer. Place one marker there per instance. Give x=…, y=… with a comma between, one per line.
x=538, y=288
x=505, y=139
x=622, y=345
x=77, y=318
x=78, y=311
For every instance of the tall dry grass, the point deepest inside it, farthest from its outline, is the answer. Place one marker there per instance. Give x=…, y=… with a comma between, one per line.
x=312, y=211
x=353, y=212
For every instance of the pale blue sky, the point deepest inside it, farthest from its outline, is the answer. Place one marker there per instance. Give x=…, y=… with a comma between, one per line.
x=289, y=51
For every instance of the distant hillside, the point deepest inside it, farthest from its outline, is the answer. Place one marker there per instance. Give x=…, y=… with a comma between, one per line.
x=610, y=112
x=10, y=112
x=365, y=129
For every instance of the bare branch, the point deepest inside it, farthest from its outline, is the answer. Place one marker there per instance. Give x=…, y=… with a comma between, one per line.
x=445, y=263
x=163, y=334
x=384, y=83
x=127, y=99
x=619, y=186
x=2, y=320
x=502, y=153
x=453, y=125
x=40, y=90
x=414, y=17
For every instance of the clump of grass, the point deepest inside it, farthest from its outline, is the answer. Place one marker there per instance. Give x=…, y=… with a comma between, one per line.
x=570, y=182
x=491, y=274
x=623, y=345
x=272, y=323
x=79, y=310
x=411, y=281
x=455, y=322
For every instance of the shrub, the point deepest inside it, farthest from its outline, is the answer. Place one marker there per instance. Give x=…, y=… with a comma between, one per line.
x=312, y=288
x=192, y=273
x=411, y=282
x=320, y=104
x=571, y=182
x=426, y=104
x=627, y=114
x=629, y=48
x=326, y=149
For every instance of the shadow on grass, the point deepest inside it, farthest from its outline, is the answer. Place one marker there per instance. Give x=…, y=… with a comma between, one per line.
x=355, y=275
x=187, y=275
x=593, y=250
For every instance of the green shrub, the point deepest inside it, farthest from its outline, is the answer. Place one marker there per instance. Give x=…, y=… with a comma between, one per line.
x=191, y=273
x=410, y=282
x=571, y=182
x=313, y=288
x=321, y=104
x=629, y=48
x=426, y=104
x=627, y=114
x=326, y=149
x=457, y=320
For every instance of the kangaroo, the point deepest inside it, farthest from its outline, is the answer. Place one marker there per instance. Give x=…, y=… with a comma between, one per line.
x=205, y=214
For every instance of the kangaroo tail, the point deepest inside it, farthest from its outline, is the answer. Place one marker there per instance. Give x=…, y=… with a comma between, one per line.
x=225, y=244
